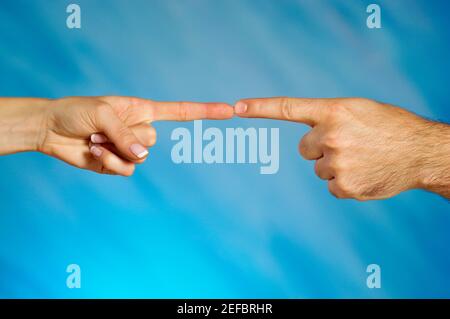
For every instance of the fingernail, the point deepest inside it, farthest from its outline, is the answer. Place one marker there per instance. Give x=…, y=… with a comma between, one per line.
x=96, y=151
x=240, y=107
x=139, y=150
x=98, y=138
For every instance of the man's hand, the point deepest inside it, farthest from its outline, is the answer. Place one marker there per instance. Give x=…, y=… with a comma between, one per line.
x=364, y=149
x=103, y=134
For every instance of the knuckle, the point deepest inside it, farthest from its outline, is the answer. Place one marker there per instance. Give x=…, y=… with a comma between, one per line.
x=357, y=101
x=337, y=110
x=303, y=148
x=332, y=140
x=336, y=107
x=321, y=175
x=338, y=165
x=102, y=111
x=336, y=193
x=182, y=111
x=107, y=160
x=134, y=101
x=150, y=138
x=346, y=189
x=321, y=170
x=102, y=107
x=287, y=108
x=107, y=164
x=334, y=190
x=125, y=135
x=154, y=138
x=317, y=168
x=341, y=189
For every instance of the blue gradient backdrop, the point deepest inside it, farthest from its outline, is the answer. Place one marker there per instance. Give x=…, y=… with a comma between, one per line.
x=219, y=230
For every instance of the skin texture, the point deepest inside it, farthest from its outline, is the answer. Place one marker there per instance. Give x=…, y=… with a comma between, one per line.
x=108, y=135
x=364, y=149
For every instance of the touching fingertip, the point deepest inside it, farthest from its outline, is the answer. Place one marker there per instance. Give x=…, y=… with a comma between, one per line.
x=240, y=107
x=228, y=111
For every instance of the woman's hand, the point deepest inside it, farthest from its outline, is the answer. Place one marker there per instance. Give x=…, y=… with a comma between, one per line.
x=104, y=134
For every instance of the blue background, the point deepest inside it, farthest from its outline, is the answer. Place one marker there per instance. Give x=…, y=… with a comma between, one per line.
x=219, y=230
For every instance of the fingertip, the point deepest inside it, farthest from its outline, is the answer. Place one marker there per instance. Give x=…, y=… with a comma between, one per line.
x=240, y=108
x=98, y=138
x=96, y=150
x=111, y=163
x=146, y=134
x=130, y=171
x=227, y=111
x=139, y=151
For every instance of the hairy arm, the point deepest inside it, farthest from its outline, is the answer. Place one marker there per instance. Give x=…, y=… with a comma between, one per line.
x=435, y=159
x=364, y=149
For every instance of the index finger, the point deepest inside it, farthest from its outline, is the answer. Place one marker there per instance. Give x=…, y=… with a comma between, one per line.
x=189, y=111
x=308, y=111
x=136, y=110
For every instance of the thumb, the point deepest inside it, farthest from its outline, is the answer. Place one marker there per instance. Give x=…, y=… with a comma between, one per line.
x=119, y=134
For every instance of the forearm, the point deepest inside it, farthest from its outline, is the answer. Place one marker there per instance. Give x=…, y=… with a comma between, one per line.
x=22, y=124
x=435, y=161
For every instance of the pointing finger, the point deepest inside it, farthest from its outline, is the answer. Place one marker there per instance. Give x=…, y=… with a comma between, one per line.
x=307, y=111
x=136, y=110
x=188, y=111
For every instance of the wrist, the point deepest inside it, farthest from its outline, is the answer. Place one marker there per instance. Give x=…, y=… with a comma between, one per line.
x=435, y=159
x=23, y=124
